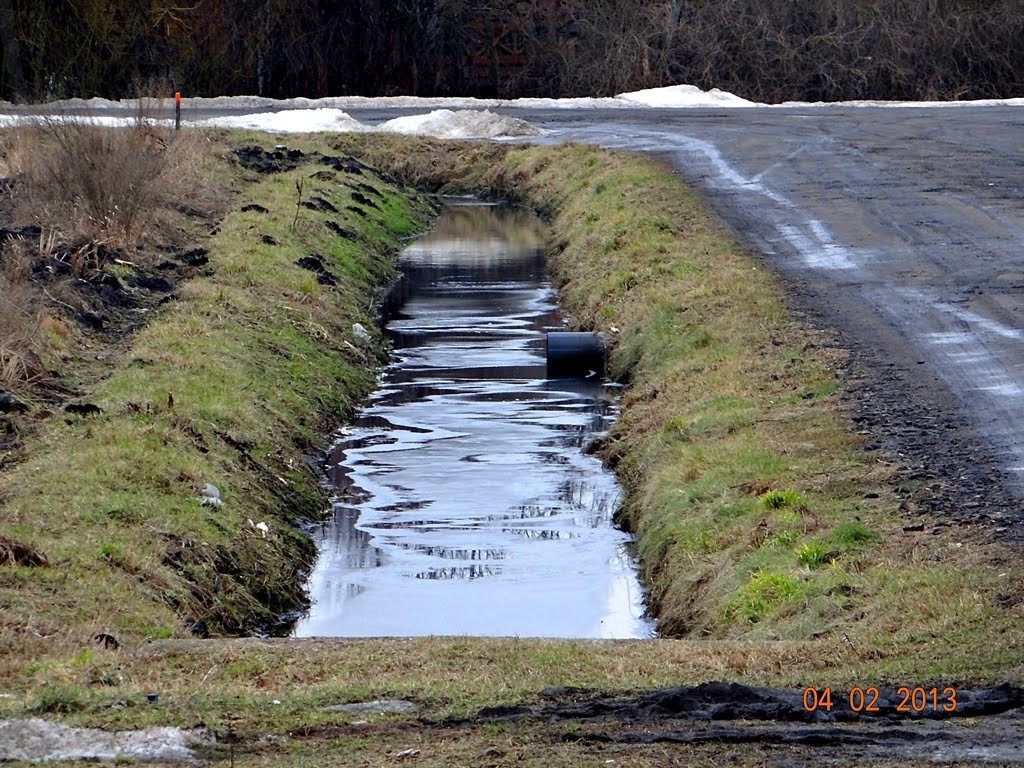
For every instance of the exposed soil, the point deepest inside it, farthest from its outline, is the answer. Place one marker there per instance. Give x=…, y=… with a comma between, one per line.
x=730, y=713
x=106, y=295
x=733, y=701
x=721, y=717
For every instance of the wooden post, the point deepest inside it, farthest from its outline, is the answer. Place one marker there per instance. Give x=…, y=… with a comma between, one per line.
x=177, y=110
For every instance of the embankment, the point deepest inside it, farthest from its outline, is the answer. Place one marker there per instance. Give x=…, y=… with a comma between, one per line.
x=757, y=515
x=234, y=383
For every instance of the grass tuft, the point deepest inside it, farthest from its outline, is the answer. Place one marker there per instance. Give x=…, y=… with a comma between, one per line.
x=781, y=499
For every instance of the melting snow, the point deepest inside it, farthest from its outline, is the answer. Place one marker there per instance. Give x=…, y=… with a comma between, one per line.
x=450, y=118
x=685, y=96
x=291, y=121
x=464, y=124
x=441, y=123
x=38, y=740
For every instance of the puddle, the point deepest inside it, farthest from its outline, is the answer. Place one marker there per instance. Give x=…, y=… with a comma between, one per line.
x=464, y=503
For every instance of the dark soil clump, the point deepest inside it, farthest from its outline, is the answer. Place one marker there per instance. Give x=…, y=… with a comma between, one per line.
x=16, y=553
x=261, y=161
x=364, y=200
x=315, y=265
x=340, y=231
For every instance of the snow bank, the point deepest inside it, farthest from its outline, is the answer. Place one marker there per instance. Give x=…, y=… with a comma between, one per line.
x=320, y=110
x=291, y=121
x=464, y=124
x=441, y=123
x=684, y=96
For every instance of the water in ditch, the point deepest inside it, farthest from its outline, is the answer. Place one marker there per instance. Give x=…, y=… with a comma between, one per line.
x=465, y=504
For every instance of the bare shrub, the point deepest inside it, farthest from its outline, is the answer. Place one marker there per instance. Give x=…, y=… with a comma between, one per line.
x=106, y=185
x=777, y=50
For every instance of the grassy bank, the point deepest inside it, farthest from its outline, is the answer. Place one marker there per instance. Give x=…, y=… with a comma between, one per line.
x=229, y=385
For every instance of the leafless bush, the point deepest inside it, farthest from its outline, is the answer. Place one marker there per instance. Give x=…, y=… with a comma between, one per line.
x=106, y=185
x=766, y=50
x=778, y=50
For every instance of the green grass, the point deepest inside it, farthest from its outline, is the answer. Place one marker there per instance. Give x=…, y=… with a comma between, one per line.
x=768, y=540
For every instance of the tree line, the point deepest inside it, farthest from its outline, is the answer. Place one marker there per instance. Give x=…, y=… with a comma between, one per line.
x=766, y=50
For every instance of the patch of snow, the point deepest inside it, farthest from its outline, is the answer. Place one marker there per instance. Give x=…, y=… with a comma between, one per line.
x=464, y=124
x=676, y=96
x=38, y=740
x=290, y=121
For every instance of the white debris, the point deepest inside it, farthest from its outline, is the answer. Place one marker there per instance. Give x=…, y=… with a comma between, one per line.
x=684, y=96
x=463, y=124
x=261, y=526
x=210, y=496
x=379, y=706
x=37, y=740
x=360, y=332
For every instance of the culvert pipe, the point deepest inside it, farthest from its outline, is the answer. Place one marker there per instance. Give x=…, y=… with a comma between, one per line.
x=575, y=355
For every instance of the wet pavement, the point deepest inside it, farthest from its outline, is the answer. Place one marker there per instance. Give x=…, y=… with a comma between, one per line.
x=466, y=505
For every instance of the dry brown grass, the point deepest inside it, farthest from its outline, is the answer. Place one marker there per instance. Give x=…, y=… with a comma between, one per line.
x=101, y=185
x=20, y=316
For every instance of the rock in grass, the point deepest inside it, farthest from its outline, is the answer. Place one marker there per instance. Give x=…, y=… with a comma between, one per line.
x=360, y=332
x=375, y=707
x=10, y=404
x=210, y=496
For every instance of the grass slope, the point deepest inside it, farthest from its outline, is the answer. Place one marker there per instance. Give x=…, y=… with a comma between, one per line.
x=229, y=385
x=757, y=515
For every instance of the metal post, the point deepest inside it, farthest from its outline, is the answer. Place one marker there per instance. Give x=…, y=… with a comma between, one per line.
x=177, y=110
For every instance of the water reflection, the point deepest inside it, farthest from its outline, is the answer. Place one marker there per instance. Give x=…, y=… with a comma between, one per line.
x=464, y=505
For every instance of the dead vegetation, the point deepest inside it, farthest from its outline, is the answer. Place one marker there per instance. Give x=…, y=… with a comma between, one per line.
x=92, y=224
x=20, y=320
x=91, y=220
x=16, y=553
x=96, y=185
x=771, y=50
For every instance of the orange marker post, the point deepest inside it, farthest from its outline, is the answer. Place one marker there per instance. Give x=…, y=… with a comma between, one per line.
x=177, y=110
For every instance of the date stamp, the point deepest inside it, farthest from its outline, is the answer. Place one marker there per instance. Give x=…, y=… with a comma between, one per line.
x=911, y=701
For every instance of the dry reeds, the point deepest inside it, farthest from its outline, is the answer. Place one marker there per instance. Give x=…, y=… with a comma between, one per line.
x=103, y=184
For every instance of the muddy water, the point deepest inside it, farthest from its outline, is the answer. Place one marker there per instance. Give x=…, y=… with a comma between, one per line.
x=465, y=505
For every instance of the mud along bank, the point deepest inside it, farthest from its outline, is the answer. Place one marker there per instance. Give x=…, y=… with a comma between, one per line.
x=758, y=515
x=171, y=505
